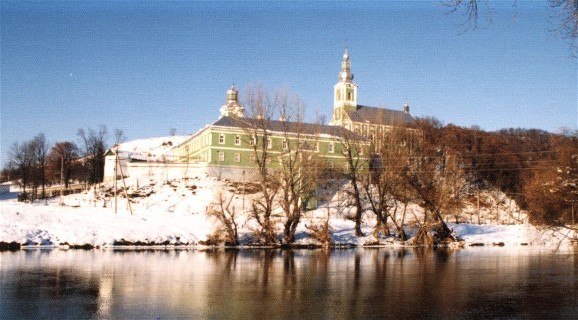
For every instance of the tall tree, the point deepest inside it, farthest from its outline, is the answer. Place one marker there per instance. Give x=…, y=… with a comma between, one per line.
x=357, y=163
x=426, y=176
x=299, y=165
x=384, y=183
x=61, y=160
x=40, y=148
x=22, y=158
x=261, y=109
x=94, y=150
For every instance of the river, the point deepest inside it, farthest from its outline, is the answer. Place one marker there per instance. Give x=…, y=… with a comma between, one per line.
x=496, y=282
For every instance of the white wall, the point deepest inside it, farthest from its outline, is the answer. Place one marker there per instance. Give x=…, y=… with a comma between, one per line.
x=109, y=162
x=169, y=171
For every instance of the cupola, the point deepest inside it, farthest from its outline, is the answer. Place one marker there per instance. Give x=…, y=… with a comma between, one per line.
x=232, y=108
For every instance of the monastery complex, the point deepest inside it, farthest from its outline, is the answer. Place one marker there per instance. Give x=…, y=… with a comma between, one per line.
x=227, y=147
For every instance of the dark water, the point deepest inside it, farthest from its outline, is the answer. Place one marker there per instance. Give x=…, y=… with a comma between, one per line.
x=261, y=284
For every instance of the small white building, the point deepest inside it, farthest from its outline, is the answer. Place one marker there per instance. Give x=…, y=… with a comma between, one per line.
x=111, y=165
x=147, y=158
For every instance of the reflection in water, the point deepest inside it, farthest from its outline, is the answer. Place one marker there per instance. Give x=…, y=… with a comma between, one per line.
x=340, y=284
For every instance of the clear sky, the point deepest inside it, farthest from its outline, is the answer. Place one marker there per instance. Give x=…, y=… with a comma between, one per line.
x=148, y=66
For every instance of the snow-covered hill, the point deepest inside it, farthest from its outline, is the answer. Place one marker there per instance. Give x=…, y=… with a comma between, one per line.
x=174, y=213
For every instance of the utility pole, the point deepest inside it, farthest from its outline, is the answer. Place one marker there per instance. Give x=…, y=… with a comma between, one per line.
x=572, y=202
x=244, y=190
x=115, y=178
x=125, y=189
x=61, y=179
x=478, y=204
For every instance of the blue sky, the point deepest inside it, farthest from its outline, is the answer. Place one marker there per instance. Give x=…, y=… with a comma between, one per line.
x=146, y=67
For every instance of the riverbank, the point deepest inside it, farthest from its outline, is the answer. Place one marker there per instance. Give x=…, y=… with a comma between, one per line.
x=50, y=225
x=173, y=214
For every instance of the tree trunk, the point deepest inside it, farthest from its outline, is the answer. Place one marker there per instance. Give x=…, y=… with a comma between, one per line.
x=359, y=209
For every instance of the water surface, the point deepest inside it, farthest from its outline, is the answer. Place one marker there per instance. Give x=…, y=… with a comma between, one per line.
x=274, y=284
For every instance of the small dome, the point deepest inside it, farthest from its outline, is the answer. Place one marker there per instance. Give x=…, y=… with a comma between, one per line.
x=406, y=107
x=232, y=93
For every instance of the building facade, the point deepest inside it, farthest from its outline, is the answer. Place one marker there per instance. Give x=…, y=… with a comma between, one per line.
x=230, y=146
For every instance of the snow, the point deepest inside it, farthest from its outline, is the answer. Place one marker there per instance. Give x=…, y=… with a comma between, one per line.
x=151, y=149
x=174, y=213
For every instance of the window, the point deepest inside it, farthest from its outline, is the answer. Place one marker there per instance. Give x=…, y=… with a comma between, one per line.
x=269, y=143
x=252, y=141
x=331, y=147
x=253, y=158
x=237, y=140
x=221, y=138
x=237, y=157
x=316, y=146
x=221, y=156
x=285, y=144
x=349, y=96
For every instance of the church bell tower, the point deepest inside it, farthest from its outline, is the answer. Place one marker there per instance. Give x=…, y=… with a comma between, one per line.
x=344, y=92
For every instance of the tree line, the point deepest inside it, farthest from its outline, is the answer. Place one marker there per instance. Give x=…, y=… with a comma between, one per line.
x=35, y=164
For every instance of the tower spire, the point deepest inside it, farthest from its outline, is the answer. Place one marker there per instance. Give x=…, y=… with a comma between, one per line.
x=344, y=92
x=345, y=74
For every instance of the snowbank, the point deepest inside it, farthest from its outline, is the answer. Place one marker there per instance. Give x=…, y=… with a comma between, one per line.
x=174, y=213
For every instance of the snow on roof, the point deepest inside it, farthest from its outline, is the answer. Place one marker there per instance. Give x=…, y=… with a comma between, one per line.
x=150, y=149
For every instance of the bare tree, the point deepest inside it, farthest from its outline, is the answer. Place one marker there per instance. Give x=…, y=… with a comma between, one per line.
x=61, y=160
x=258, y=136
x=299, y=168
x=566, y=14
x=384, y=181
x=226, y=215
x=94, y=150
x=22, y=158
x=425, y=176
x=40, y=152
x=357, y=163
x=469, y=8
x=119, y=136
